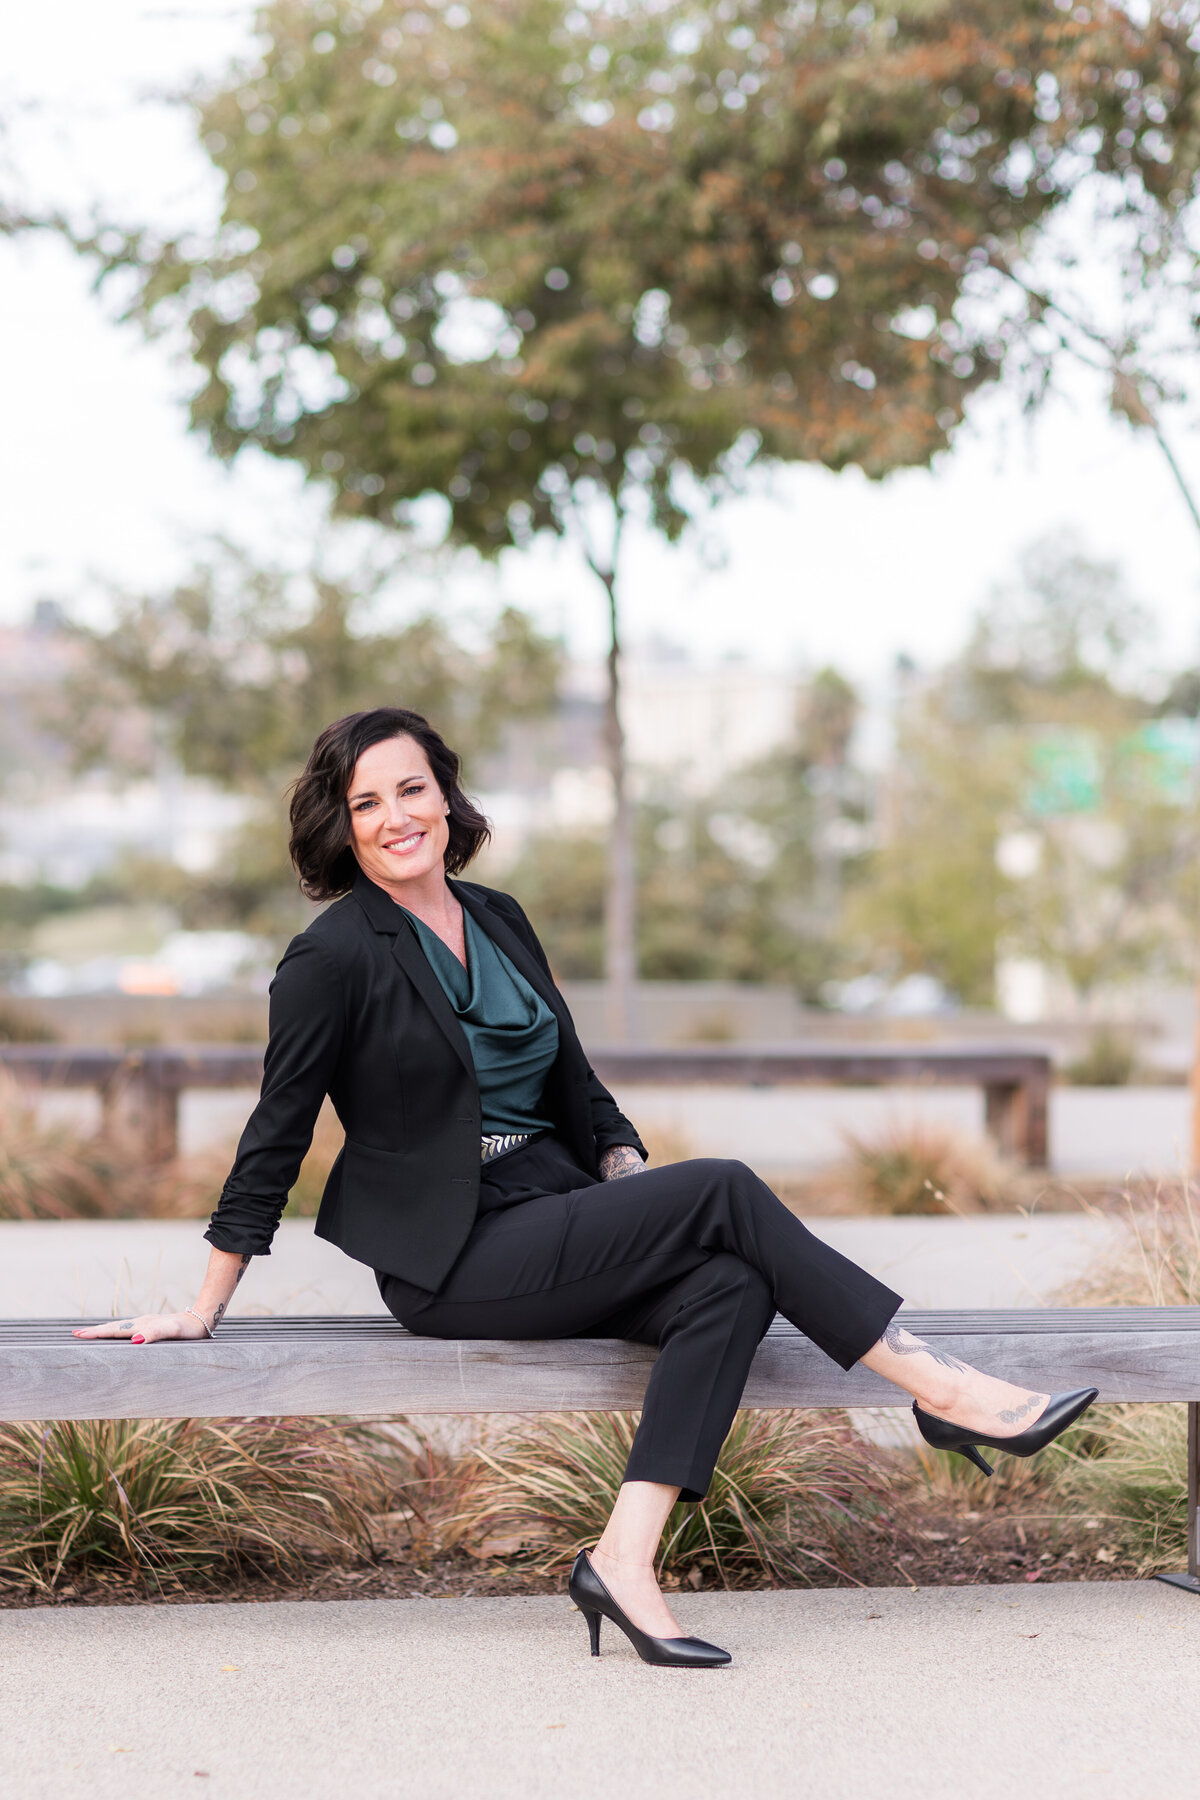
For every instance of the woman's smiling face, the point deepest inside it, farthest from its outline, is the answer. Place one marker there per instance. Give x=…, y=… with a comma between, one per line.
x=399, y=828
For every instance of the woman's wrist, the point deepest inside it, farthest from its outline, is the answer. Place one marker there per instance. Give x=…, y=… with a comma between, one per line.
x=618, y=1160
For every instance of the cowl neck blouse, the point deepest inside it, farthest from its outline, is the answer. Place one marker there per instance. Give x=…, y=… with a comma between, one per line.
x=512, y=1033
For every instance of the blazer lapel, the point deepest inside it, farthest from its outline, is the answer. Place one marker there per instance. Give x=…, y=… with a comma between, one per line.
x=388, y=919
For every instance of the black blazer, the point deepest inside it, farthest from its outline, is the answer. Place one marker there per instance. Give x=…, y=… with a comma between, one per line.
x=358, y=1014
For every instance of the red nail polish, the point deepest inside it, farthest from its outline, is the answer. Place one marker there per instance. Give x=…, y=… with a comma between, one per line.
x=138, y=1340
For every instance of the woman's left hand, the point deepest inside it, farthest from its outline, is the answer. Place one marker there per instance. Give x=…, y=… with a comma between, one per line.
x=618, y=1160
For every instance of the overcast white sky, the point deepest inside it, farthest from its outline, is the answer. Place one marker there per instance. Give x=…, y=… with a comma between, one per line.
x=100, y=480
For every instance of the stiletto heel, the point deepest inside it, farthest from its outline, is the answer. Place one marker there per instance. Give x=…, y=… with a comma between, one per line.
x=595, y=1602
x=1061, y=1411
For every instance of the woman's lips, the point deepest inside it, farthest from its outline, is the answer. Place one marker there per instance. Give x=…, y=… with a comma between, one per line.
x=404, y=846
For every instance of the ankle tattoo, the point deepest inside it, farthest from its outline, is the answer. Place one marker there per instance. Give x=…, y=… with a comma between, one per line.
x=904, y=1343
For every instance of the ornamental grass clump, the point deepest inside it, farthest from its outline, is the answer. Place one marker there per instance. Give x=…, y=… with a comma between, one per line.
x=1126, y=1466
x=1126, y=1469
x=922, y=1168
x=50, y=1172
x=795, y=1498
x=154, y=1498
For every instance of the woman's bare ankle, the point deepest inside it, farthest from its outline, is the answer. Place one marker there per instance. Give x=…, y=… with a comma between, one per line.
x=614, y=1560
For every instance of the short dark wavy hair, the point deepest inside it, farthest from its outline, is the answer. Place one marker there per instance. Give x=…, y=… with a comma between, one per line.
x=320, y=815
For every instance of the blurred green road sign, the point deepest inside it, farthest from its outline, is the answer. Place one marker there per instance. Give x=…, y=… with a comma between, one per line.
x=1163, y=753
x=1067, y=771
x=1159, y=760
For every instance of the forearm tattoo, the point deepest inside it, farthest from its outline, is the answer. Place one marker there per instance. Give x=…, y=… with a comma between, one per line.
x=618, y=1160
x=903, y=1343
x=242, y=1267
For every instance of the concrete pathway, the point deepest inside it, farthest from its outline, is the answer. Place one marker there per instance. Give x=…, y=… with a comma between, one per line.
x=1072, y=1692
x=65, y=1269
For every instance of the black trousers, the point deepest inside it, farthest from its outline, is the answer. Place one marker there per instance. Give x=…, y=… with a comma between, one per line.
x=695, y=1257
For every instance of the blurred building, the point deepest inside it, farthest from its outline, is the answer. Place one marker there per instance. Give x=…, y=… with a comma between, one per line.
x=62, y=828
x=687, y=724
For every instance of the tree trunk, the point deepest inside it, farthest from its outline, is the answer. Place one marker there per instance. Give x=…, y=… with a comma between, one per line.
x=620, y=920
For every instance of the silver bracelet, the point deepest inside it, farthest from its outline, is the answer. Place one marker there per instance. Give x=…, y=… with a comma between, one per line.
x=201, y=1318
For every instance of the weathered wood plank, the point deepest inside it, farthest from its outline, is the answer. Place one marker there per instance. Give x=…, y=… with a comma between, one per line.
x=849, y=1064
x=141, y=1087
x=1002, y=1321
x=260, y=1367
x=238, y=1065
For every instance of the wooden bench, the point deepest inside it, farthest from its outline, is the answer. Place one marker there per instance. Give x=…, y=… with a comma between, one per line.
x=365, y=1365
x=139, y=1089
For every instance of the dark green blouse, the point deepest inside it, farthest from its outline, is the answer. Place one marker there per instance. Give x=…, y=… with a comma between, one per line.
x=512, y=1033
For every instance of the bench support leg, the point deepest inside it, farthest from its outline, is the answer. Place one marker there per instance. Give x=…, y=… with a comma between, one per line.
x=1191, y=1581
x=1016, y=1116
x=142, y=1109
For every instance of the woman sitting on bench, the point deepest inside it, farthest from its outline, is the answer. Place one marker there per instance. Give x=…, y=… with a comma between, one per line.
x=496, y=1188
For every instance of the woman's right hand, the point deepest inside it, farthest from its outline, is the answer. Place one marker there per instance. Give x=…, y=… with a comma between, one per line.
x=149, y=1328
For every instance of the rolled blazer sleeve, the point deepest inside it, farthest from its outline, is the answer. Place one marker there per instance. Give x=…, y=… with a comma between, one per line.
x=307, y=1029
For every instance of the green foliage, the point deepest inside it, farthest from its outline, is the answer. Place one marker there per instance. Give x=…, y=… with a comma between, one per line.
x=235, y=673
x=793, y=1498
x=560, y=882
x=704, y=912
x=1128, y=1469
x=932, y=897
x=1051, y=644
x=1108, y=1061
x=157, y=1497
x=567, y=264
x=562, y=246
x=1030, y=734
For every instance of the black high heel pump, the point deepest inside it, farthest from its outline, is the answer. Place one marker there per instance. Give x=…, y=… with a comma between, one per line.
x=595, y=1602
x=1062, y=1410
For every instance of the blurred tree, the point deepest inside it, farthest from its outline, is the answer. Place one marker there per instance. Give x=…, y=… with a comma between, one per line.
x=1053, y=644
x=932, y=898
x=233, y=674
x=704, y=912
x=727, y=883
x=574, y=265
x=828, y=717
x=1030, y=810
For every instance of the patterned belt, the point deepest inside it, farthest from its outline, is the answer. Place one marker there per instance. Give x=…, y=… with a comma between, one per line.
x=499, y=1143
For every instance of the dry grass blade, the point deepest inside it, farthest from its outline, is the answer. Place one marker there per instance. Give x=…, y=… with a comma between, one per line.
x=951, y=1482
x=1157, y=1262
x=149, y=1497
x=1129, y=1469
x=1128, y=1464
x=49, y=1172
x=924, y=1168
x=795, y=1496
